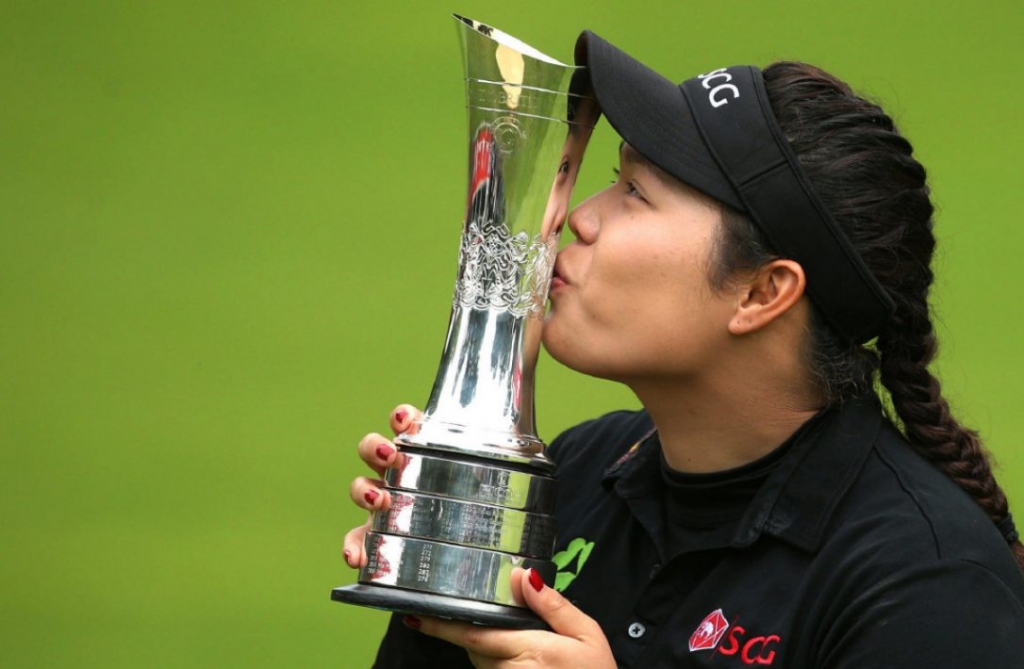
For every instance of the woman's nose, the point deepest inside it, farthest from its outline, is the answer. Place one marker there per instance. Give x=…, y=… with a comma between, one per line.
x=583, y=221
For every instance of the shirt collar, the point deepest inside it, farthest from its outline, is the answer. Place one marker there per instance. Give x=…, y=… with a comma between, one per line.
x=803, y=491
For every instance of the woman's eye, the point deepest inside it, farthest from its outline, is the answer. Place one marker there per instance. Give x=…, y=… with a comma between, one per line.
x=632, y=191
x=564, y=167
x=631, y=188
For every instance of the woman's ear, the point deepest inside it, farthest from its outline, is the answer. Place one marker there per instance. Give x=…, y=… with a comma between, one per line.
x=770, y=294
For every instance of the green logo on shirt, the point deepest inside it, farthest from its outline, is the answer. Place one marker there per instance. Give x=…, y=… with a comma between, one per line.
x=577, y=551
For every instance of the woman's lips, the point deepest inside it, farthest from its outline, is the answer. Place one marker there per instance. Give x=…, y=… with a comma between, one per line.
x=557, y=280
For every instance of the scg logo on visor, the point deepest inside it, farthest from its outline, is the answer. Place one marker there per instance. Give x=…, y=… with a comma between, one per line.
x=715, y=96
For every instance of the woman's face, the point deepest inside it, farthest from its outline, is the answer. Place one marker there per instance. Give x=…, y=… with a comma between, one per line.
x=630, y=297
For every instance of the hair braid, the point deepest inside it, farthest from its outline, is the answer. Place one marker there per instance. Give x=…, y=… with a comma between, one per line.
x=866, y=175
x=906, y=349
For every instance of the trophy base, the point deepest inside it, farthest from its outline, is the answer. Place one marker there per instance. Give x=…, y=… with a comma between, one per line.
x=438, y=606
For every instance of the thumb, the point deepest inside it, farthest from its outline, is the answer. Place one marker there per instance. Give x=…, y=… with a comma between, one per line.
x=557, y=611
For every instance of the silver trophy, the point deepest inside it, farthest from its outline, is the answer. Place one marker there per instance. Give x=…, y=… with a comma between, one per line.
x=472, y=490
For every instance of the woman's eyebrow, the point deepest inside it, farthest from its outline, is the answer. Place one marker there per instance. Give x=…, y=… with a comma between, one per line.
x=627, y=154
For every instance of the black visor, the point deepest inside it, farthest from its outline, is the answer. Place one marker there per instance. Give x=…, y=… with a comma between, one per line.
x=717, y=133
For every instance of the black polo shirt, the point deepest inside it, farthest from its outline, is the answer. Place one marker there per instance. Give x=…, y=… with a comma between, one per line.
x=852, y=552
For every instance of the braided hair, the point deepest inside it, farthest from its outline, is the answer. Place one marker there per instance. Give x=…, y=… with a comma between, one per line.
x=865, y=174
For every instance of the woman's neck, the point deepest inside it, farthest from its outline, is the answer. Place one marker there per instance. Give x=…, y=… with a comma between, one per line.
x=721, y=423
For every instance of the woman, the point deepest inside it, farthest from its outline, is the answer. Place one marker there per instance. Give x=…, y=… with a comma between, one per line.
x=763, y=254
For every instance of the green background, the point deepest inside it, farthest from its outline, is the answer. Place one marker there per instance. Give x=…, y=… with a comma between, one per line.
x=228, y=234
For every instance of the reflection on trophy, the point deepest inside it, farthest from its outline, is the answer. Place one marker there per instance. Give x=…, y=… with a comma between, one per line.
x=472, y=490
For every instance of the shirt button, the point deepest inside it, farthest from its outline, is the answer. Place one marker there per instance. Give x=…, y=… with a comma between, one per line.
x=636, y=630
x=654, y=570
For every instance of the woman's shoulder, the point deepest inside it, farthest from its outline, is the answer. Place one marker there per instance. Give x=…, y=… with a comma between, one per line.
x=912, y=513
x=909, y=568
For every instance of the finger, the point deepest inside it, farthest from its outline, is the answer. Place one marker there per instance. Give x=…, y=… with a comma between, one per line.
x=377, y=451
x=369, y=494
x=518, y=579
x=403, y=417
x=486, y=642
x=355, y=552
x=557, y=611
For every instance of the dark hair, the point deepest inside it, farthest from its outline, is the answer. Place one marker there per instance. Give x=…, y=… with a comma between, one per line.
x=867, y=177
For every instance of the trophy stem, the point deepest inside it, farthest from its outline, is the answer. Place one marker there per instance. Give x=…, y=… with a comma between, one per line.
x=482, y=401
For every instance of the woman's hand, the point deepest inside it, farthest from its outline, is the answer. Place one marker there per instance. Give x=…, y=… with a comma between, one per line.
x=576, y=640
x=379, y=453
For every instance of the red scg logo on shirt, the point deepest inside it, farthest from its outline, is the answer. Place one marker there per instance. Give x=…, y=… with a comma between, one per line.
x=709, y=632
x=751, y=649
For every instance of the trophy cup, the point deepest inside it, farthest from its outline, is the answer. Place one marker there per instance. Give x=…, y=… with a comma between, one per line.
x=472, y=490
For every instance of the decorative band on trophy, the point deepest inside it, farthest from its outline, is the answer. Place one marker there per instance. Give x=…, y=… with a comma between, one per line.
x=472, y=481
x=426, y=570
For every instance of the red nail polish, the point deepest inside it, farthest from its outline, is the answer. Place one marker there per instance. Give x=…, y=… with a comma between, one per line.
x=536, y=581
x=371, y=496
x=401, y=415
x=384, y=451
x=412, y=622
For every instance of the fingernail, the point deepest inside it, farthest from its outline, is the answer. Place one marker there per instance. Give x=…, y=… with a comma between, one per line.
x=371, y=496
x=384, y=451
x=412, y=622
x=535, y=580
x=401, y=415
x=348, y=557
